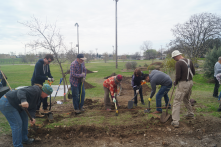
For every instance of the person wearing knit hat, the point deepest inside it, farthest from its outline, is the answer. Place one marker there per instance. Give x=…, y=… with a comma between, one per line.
x=110, y=86
x=12, y=104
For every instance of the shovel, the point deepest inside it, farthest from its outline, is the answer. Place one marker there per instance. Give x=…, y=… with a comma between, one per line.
x=148, y=109
x=165, y=116
x=34, y=127
x=131, y=102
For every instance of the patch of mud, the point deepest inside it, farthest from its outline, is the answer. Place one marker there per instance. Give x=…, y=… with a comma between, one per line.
x=87, y=85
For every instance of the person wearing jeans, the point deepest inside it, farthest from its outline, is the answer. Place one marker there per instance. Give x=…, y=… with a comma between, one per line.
x=159, y=78
x=163, y=92
x=77, y=78
x=28, y=97
x=76, y=93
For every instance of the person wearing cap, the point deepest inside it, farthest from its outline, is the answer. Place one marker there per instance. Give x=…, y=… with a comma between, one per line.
x=41, y=73
x=137, y=78
x=17, y=117
x=184, y=75
x=217, y=70
x=77, y=78
x=110, y=87
x=159, y=78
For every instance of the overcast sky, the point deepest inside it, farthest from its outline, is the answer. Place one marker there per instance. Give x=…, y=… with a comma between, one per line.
x=138, y=21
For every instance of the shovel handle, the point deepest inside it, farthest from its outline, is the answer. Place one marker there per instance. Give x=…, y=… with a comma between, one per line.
x=170, y=98
x=26, y=112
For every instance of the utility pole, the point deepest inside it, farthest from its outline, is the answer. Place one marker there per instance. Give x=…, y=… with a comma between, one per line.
x=113, y=52
x=116, y=30
x=76, y=24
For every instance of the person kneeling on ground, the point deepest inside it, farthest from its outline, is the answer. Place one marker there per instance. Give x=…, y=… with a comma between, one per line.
x=28, y=97
x=159, y=78
x=137, y=78
x=110, y=86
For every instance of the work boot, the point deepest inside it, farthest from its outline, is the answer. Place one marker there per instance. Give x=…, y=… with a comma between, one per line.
x=29, y=141
x=135, y=104
x=143, y=103
x=175, y=125
x=189, y=116
x=78, y=111
x=82, y=110
x=46, y=111
x=38, y=114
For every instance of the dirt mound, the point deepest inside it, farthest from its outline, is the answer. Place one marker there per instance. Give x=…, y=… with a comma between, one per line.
x=87, y=85
x=68, y=72
x=113, y=74
x=157, y=63
x=88, y=71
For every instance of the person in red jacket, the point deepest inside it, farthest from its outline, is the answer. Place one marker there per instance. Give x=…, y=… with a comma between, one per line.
x=110, y=86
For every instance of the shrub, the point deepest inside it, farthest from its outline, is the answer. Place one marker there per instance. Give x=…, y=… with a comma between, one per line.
x=151, y=67
x=131, y=65
x=145, y=65
x=210, y=60
x=169, y=64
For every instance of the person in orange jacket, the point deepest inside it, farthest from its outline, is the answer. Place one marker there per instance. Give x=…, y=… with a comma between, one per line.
x=110, y=86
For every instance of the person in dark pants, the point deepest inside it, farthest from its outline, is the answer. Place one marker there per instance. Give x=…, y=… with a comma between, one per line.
x=41, y=73
x=137, y=78
x=28, y=97
x=77, y=77
x=217, y=70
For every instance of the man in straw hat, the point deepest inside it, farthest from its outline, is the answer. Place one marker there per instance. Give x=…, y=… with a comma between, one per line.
x=77, y=78
x=184, y=74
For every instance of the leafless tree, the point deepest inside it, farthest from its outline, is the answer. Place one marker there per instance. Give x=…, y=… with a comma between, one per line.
x=147, y=45
x=47, y=36
x=191, y=37
x=71, y=54
x=105, y=57
x=137, y=55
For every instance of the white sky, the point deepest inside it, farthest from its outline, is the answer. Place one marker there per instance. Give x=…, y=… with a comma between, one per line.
x=138, y=21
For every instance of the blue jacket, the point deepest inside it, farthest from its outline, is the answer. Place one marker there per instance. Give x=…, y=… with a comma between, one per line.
x=40, y=74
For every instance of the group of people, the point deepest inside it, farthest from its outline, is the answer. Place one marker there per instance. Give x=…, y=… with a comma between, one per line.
x=184, y=75
x=31, y=97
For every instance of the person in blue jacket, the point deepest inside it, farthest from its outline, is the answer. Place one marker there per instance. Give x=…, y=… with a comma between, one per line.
x=28, y=97
x=41, y=73
x=137, y=77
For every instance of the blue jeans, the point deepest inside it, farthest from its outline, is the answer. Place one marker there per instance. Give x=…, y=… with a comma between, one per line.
x=219, y=96
x=18, y=122
x=76, y=91
x=163, y=92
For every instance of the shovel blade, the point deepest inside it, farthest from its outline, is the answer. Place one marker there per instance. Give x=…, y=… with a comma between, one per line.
x=130, y=104
x=164, y=117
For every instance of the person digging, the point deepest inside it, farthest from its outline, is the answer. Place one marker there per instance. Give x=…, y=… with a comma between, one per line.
x=17, y=117
x=41, y=73
x=110, y=86
x=137, y=78
x=159, y=78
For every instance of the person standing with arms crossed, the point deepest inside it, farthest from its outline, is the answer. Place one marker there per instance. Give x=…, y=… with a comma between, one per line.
x=184, y=75
x=217, y=70
x=77, y=78
x=41, y=73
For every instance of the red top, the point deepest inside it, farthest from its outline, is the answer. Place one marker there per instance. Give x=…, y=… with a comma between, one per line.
x=110, y=84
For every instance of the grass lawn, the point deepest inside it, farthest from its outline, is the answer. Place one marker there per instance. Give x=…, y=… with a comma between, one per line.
x=20, y=75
